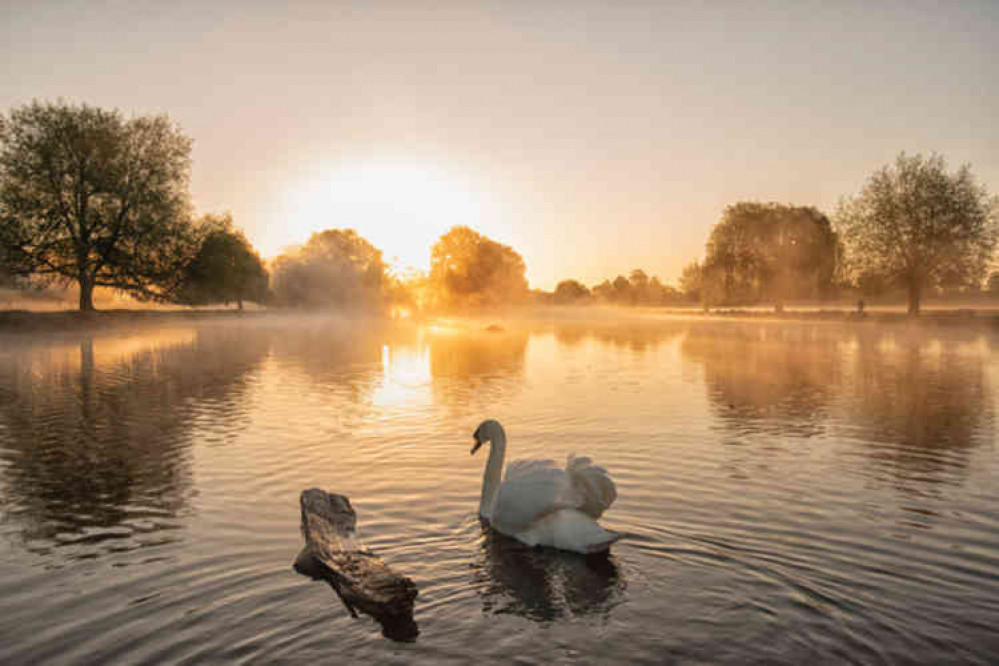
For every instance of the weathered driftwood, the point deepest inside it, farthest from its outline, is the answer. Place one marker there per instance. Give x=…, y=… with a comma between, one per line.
x=360, y=578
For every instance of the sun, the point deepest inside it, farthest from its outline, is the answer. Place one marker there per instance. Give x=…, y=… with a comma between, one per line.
x=401, y=208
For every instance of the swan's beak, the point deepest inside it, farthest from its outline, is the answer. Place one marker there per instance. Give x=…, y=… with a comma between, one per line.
x=475, y=447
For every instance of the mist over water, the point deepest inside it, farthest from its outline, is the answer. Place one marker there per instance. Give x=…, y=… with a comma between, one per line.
x=788, y=491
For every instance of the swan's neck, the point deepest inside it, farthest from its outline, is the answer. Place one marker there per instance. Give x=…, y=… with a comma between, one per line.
x=493, y=476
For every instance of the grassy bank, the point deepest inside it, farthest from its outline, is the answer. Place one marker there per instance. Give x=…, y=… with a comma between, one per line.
x=927, y=318
x=26, y=321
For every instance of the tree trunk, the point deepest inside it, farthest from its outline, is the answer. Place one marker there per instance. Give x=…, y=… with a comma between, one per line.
x=914, y=294
x=86, y=293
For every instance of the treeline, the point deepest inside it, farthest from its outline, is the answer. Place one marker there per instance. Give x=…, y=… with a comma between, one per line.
x=91, y=198
x=637, y=289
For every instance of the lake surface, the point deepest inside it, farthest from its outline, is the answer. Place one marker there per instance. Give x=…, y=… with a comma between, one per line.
x=788, y=492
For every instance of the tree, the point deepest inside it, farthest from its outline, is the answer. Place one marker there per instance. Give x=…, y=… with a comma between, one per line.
x=568, y=292
x=622, y=290
x=992, y=284
x=226, y=268
x=469, y=270
x=917, y=226
x=769, y=251
x=87, y=196
x=691, y=281
x=638, y=282
x=406, y=292
x=661, y=294
x=335, y=268
x=604, y=292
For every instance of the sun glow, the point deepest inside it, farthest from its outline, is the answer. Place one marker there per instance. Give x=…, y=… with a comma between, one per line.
x=399, y=207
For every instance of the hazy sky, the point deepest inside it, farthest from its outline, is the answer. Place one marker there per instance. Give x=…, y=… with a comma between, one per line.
x=593, y=137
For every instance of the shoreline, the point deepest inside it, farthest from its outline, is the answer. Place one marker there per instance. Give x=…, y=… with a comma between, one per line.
x=68, y=321
x=934, y=317
x=28, y=321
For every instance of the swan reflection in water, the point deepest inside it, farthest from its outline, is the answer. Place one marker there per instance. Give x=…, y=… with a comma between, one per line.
x=544, y=584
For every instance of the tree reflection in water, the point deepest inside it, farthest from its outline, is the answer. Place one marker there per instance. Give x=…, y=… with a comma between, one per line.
x=766, y=378
x=923, y=403
x=636, y=335
x=96, y=445
x=917, y=400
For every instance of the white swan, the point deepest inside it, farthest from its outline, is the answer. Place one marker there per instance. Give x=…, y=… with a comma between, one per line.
x=541, y=505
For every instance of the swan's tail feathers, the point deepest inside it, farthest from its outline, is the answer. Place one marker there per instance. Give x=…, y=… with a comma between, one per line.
x=604, y=545
x=569, y=529
x=592, y=484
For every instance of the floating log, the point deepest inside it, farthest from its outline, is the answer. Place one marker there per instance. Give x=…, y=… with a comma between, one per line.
x=334, y=553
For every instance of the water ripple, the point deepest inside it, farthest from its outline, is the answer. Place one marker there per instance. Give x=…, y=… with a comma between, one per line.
x=787, y=492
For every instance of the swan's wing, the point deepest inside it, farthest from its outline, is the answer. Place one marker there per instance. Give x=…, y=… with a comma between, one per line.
x=527, y=466
x=592, y=491
x=531, y=489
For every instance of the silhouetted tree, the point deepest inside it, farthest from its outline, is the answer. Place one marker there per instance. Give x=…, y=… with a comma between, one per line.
x=469, y=270
x=636, y=289
x=661, y=294
x=571, y=291
x=87, y=196
x=604, y=292
x=770, y=252
x=335, y=268
x=622, y=290
x=638, y=283
x=917, y=226
x=7, y=277
x=692, y=281
x=226, y=268
x=992, y=285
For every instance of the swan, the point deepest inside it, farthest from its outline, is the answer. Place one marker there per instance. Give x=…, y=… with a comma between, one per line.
x=540, y=504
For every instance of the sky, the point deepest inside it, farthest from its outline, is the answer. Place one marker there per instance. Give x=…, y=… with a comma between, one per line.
x=592, y=137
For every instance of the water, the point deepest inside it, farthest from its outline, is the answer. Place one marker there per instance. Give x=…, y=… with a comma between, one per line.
x=787, y=491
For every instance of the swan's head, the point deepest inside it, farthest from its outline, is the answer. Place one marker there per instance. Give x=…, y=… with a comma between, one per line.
x=488, y=431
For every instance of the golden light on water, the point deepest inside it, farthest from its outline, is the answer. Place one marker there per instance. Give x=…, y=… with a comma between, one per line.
x=406, y=376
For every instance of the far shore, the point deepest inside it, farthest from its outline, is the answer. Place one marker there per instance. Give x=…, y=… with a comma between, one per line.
x=28, y=321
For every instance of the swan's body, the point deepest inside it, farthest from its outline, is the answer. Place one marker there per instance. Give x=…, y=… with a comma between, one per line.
x=539, y=503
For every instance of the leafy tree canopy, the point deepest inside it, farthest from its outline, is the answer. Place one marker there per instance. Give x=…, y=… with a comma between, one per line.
x=692, y=281
x=769, y=251
x=571, y=291
x=226, y=268
x=468, y=270
x=90, y=197
x=335, y=268
x=916, y=225
x=636, y=289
